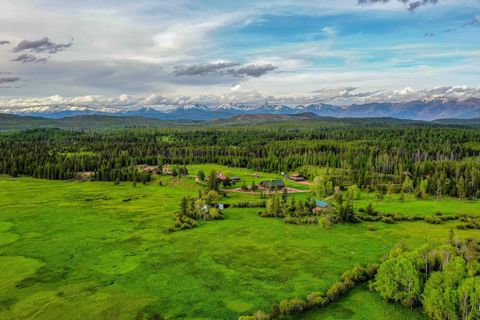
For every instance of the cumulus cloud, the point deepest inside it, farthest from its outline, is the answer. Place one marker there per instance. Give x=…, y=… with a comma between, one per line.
x=232, y=69
x=29, y=58
x=336, y=96
x=411, y=4
x=9, y=80
x=44, y=45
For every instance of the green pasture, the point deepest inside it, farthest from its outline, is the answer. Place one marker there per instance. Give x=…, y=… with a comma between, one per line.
x=246, y=175
x=361, y=304
x=92, y=250
x=413, y=206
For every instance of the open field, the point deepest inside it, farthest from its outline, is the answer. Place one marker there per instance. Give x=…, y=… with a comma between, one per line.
x=361, y=304
x=95, y=250
x=413, y=206
x=245, y=175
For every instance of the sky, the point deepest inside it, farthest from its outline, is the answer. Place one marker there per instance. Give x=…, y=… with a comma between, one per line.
x=164, y=53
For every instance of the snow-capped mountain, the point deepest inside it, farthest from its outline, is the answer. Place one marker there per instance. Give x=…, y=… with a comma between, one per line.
x=323, y=109
x=234, y=108
x=190, y=107
x=56, y=111
x=426, y=109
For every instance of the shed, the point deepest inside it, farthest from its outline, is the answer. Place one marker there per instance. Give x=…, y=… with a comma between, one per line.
x=321, y=204
x=272, y=184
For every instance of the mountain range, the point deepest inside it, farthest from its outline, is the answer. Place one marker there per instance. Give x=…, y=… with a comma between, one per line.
x=425, y=110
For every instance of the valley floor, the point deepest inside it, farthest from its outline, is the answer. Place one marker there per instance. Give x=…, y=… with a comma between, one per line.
x=92, y=250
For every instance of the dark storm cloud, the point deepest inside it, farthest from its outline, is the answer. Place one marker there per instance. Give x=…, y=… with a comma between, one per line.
x=43, y=45
x=203, y=69
x=29, y=58
x=251, y=70
x=4, y=42
x=9, y=80
x=232, y=69
x=412, y=5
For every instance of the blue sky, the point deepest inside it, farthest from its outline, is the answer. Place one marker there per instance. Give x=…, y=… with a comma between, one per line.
x=213, y=52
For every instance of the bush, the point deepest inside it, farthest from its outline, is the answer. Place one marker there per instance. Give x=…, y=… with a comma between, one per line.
x=289, y=307
x=433, y=220
x=336, y=290
x=371, y=227
x=387, y=220
x=317, y=299
x=291, y=220
x=259, y=315
x=371, y=270
x=325, y=223
x=248, y=204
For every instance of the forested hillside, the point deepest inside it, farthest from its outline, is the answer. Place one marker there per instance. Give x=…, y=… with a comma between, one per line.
x=372, y=154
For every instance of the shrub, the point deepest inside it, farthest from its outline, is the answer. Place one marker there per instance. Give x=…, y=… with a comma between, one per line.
x=289, y=307
x=336, y=290
x=259, y=315
x=291, y=220
x=317, y=299
x=371, y=270
x=248, y=204
x=325, y=223
x=387, y=220
x=433, y=220
x=185, y=226
x=371, y=227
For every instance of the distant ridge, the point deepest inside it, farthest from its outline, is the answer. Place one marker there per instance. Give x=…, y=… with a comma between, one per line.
x=474, y=122
x=426, y=110
x=271, y=117
x=84, y=122
x=9, y=122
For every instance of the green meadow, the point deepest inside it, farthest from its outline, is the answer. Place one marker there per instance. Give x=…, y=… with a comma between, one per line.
x=93, y=250
x=411, y=205
x=361, y=304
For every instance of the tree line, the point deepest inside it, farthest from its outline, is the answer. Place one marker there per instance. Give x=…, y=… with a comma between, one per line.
x=438, y=160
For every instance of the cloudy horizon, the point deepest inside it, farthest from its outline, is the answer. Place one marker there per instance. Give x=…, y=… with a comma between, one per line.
x=212, y=52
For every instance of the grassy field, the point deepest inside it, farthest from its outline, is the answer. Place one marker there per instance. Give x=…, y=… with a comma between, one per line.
x=92, y=250
x=361, y=304
x=411, y=205
x=245, y=175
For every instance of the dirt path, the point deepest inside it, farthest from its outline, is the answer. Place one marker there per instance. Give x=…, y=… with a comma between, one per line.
x=240, y=190
x=289, y=190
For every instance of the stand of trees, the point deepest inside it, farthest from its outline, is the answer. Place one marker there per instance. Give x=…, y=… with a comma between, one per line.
x=297, y=212
x=444, y=279
x=203, y=208
x=422, y=159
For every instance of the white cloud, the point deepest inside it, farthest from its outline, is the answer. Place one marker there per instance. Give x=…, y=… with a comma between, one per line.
x=332, y=95
x=236, y=87
x=330, y=31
